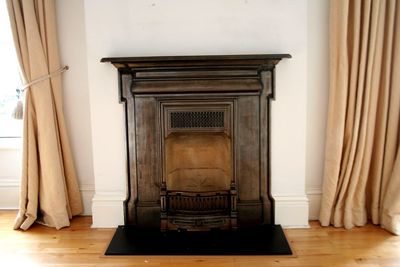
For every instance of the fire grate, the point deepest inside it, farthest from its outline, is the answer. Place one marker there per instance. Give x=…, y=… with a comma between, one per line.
x=198, y=203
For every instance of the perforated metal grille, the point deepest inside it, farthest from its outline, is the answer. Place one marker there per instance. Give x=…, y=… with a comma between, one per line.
x=197, y=119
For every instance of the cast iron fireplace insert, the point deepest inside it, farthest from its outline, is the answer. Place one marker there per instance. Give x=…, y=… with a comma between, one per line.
x=198, y=142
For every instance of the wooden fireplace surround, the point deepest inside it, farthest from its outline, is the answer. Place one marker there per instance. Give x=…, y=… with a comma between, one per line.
x=240, y=87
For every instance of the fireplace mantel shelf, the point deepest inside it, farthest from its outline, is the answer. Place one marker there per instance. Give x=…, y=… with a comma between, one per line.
x=205, y=60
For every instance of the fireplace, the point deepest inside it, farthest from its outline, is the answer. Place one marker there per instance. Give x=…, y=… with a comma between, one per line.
x=197, y=132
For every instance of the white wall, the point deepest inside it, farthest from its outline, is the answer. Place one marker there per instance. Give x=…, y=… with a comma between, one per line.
x=317, y=100
x=10, y=172
x=72, y=43
x=92, y=29
x=175, y=27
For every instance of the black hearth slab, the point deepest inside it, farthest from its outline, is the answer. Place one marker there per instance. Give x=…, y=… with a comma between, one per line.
x=265, y=240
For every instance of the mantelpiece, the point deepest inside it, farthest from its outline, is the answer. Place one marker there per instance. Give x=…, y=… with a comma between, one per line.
x=198, y=140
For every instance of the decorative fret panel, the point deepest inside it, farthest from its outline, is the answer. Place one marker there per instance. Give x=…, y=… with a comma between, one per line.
x=197, y=119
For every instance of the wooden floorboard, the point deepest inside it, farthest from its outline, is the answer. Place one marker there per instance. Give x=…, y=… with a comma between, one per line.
x=80, y=245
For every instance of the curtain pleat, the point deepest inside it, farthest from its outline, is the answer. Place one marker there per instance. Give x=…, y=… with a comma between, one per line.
x=49, y=186
x=363, y=117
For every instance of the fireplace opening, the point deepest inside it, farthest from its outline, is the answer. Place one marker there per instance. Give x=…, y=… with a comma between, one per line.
x=198, y=162
x=199, y=190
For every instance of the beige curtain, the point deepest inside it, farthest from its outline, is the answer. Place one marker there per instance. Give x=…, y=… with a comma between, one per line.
x=362, y=160
x=49, y=189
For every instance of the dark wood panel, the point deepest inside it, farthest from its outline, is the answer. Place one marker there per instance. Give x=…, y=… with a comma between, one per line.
x=148, y=214
x=249, y=213
x=265, y=174
x=147, y=149
x=196, y=73
x=248, y=148
x=197, y=85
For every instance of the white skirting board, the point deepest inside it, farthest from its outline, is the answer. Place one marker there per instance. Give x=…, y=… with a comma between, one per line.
x=296, y=211
x=108, y=209
x=87, y=193
x=291, y=211
x=9, y=195
x=314, y=196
